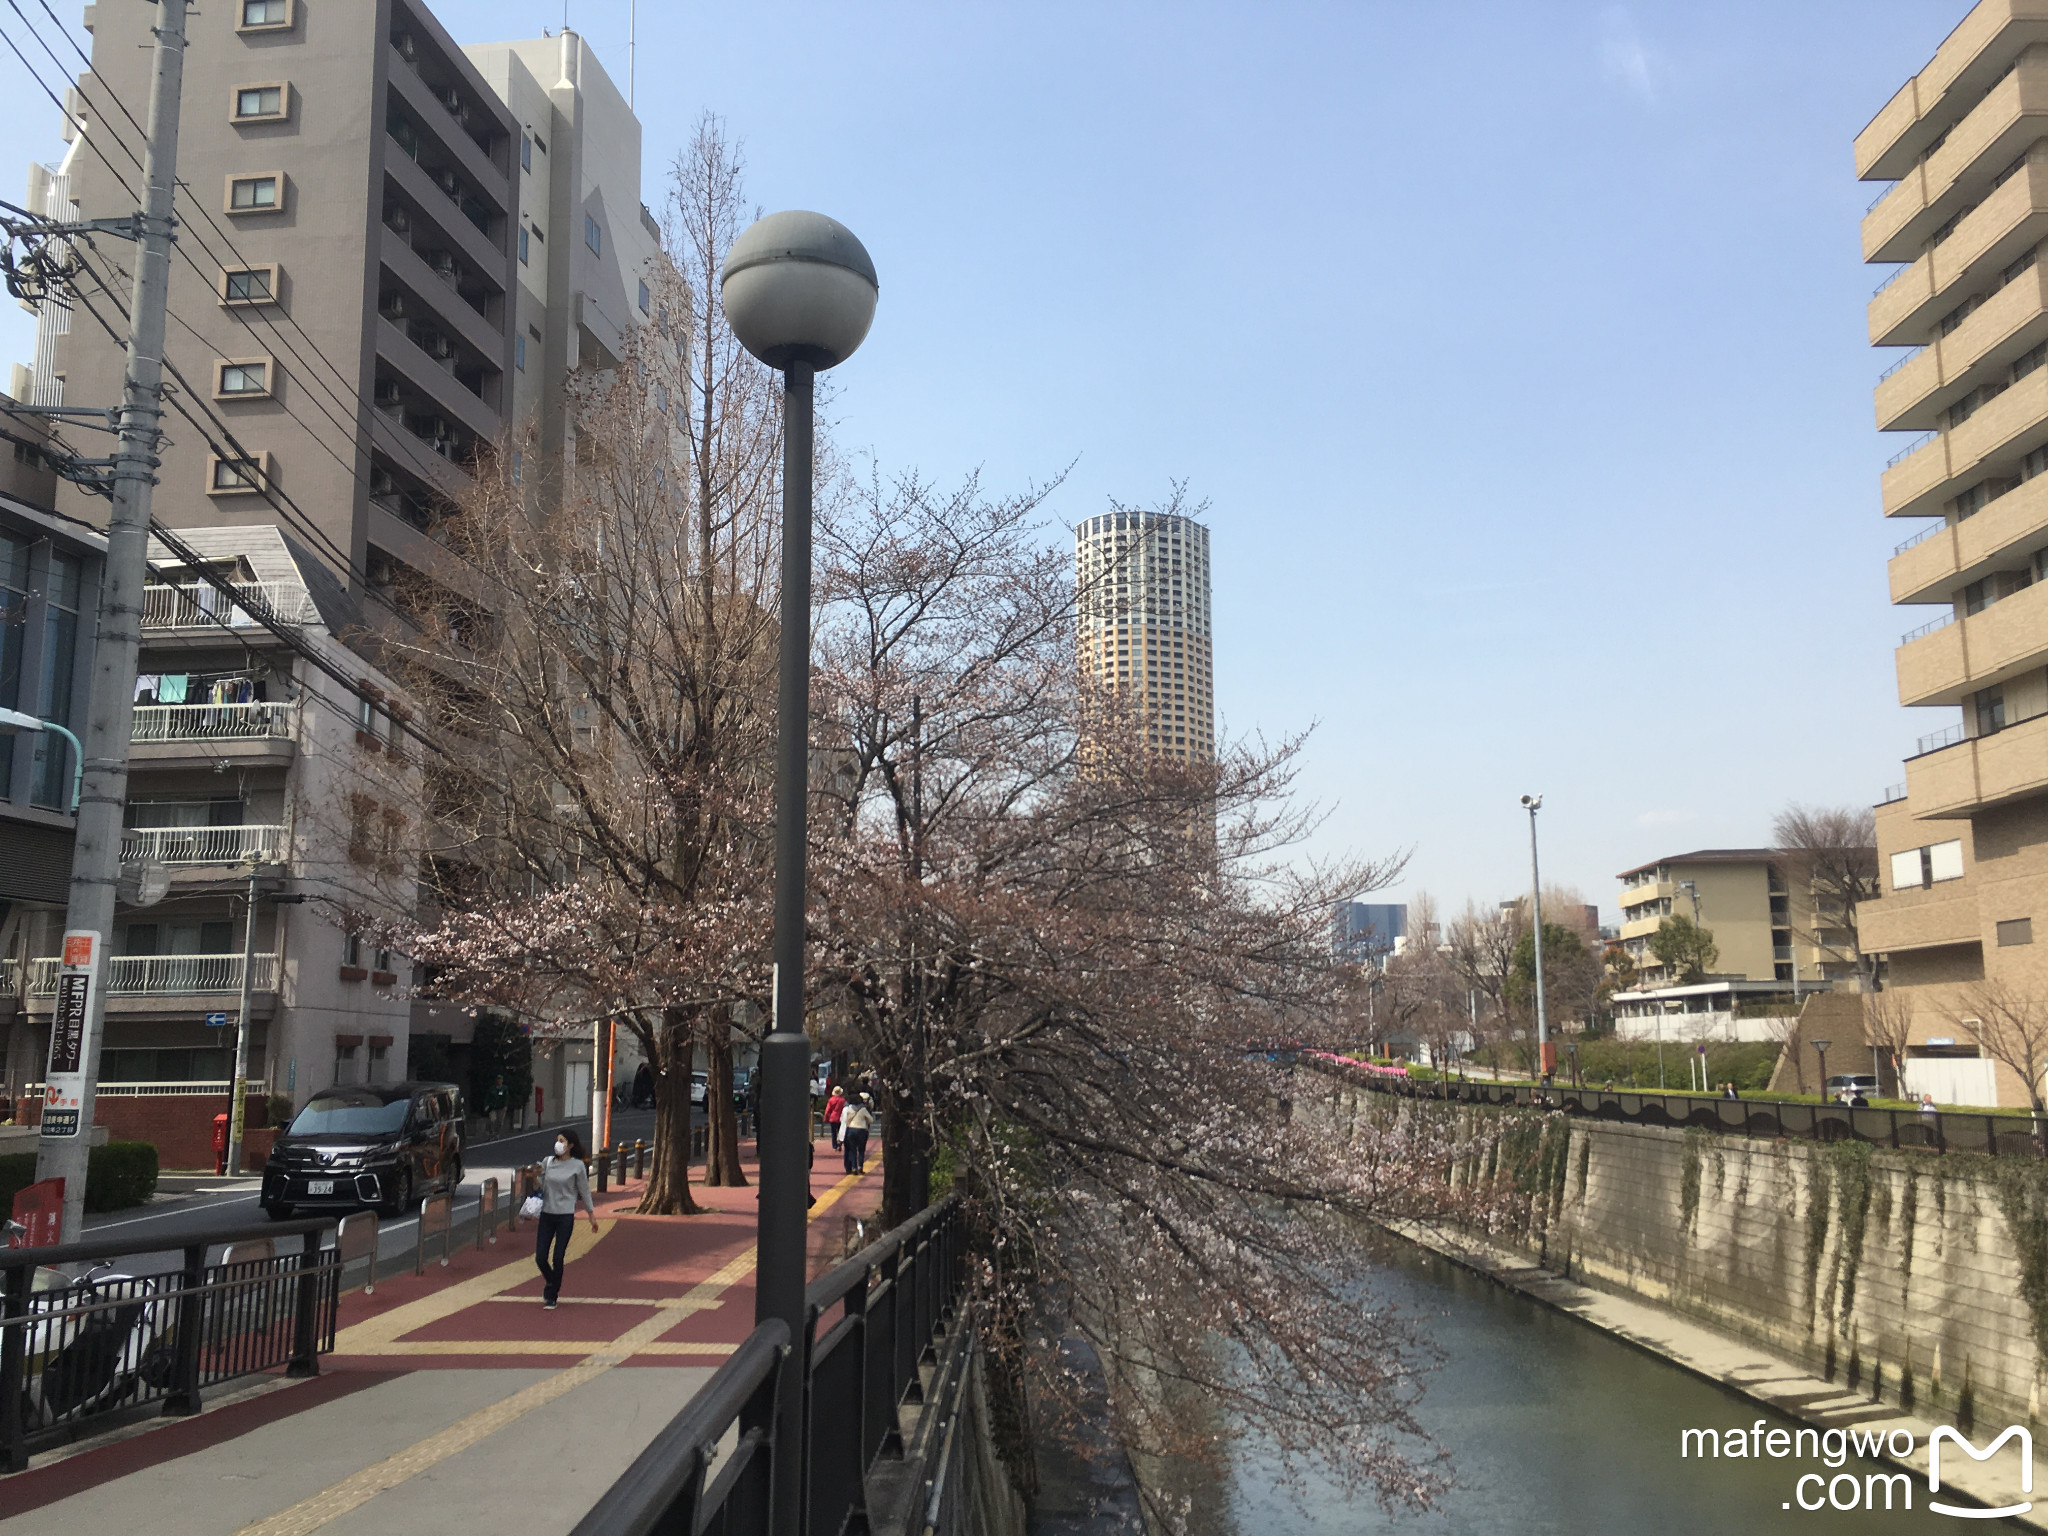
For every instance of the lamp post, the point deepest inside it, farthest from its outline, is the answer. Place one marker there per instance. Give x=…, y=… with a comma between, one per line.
x=799, y=292
x=1821, y=1049
x=1545, y=1064
x=12, y=720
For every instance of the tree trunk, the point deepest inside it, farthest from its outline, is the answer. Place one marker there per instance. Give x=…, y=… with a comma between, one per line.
x=668, y=1179
x=905, y=1158
x=722, y=1158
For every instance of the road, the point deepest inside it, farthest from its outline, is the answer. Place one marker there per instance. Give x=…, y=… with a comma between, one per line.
x=160, y=1230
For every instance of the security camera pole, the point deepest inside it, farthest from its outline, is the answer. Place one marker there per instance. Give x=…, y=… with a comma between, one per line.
x=799, y=292
x=81, y=1004
x=1545, y=1057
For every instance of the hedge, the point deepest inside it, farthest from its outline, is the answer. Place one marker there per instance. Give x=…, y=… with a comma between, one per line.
x=119, y=1175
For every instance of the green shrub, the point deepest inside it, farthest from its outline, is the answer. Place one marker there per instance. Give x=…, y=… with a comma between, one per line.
x=277, y=1110
x=118, y=1175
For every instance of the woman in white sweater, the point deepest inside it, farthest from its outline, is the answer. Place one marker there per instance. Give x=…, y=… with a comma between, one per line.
x=564, y=1186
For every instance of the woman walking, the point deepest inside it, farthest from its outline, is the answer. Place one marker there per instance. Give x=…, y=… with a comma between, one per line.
x=857, y=1119
x=564, y=1185
x=835, y=1111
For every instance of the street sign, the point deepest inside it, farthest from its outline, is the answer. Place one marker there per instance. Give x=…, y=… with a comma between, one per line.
x=216, y=1021
x=39, y=1208
x=70, y=1019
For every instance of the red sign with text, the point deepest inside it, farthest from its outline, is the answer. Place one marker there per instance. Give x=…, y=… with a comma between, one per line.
x=39, y=1208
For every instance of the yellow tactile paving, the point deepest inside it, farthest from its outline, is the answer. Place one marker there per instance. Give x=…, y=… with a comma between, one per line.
x=385, y=1335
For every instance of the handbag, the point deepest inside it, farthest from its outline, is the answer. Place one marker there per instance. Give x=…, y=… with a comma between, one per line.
x=530, y=1207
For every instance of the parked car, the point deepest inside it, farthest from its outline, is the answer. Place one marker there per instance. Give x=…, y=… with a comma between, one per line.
x=373, y=1144
x=740, y=1078
x=1863, y=1083
x=700, y=1089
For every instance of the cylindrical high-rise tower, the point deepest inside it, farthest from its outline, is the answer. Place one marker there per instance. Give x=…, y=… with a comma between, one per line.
x=1143, y=580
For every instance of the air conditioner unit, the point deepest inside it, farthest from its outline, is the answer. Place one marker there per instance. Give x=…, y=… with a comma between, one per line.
x=388, y=392
x=408, y=50
x=391, y=304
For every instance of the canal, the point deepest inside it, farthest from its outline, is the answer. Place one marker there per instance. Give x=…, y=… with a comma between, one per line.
x=1553, y=1426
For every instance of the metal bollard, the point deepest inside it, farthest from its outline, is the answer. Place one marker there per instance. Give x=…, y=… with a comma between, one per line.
x=436, y=1212
x=624, y=1165
x=604, y=1166
x=639, y=1158
x=487, y=1210
x=356, y=1238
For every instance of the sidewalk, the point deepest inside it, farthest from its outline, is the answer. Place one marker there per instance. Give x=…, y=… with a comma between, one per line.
x=453, y=1398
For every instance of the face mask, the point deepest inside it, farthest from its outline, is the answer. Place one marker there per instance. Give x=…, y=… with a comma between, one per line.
x=561, y=1149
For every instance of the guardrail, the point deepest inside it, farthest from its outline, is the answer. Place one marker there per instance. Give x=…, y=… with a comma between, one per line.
x=1919, y=538
x=1895, y=367
x=1912, y=448
x=1893, y=793
x=1940, y=1130
x=200, y=845
x=188, y=605
x=164, y=975
x=1928, y=628
x=1935, y=741
x=76, y=1349
x=871, y=1323
x=211, y=722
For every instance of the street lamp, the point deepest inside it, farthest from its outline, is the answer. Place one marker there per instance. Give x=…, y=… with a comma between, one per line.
x=1821, y=1049
x=799, y=292
x=12, y=720
x=1546, y=1066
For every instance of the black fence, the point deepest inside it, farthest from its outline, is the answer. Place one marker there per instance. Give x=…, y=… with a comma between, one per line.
x=76, y=1348
x=1933, y=1131
x=872, y=1324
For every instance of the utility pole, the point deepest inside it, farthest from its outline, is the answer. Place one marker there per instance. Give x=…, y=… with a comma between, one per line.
x=1544, y=1065
x=63, y=1146
x=238, y=1107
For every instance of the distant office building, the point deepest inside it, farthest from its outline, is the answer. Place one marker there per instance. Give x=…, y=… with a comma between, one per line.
x=1764, y=928
x=1143, y=580
x=1963, y=842
x=1369, y=931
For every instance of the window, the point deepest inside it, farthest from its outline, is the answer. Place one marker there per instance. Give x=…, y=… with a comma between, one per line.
x=540, y=143
x=1916, y=867
x=54, y=772
x=352, y=949
x=593, y=235
x=241, y=377
x=1978, y=596
x=1990, y=711
x=265, y=14
x=523, y=251
x=525, y=152
x=248, y=285
x=519, y=353
x=229, y=477
x=2015, y=930
x=1945, y=861
x=645, y=298
x=259, y=101
x=255, y=194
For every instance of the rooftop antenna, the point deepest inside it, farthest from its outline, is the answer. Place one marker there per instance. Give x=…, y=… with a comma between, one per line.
x=632, y=44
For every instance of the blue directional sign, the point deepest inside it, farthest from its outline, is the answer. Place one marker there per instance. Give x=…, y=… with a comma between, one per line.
x=216, y=1021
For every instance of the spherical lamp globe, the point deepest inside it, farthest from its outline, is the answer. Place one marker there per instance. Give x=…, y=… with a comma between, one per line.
x=799, y=288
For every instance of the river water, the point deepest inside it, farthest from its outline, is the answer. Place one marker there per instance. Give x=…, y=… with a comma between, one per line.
x=1555, y=1427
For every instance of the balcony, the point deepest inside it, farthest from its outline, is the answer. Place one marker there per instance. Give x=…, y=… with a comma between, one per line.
x=211, y=722
x=201, y=845
x=1919, y=388
x=2011, y=220
x=1949, y=556
x=1992, y=442
x=165, y=975
x=1980, y=772
x=2001, y=126
x=1970, y=59
x=1654, y=890
x=1989, y=647
x=202, y=605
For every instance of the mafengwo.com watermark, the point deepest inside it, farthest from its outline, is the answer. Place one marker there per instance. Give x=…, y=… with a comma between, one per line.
x=1834, y=1487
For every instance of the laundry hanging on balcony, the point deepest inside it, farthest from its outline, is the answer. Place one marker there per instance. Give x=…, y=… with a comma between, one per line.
x=171, y=689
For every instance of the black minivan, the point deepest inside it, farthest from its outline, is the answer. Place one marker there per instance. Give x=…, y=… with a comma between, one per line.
x=369, y=1144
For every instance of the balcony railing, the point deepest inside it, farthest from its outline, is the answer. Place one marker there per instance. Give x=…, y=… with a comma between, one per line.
x=200, y=845
x=165, y=975
x=1928, y=628
x=1893, y=794
x=1919, y=538
x=1934, y=741
x=189, y=605
x=210, y=722
x=1912, y=448
x=1911, y=353
x=1897, y=273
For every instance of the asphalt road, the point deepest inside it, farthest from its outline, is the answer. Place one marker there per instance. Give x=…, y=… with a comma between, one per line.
x=160, y=1230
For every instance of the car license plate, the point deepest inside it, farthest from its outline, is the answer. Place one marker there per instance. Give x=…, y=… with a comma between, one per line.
x=319, y=1186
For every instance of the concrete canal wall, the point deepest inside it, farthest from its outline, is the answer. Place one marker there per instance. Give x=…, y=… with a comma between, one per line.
x=1917, y=1278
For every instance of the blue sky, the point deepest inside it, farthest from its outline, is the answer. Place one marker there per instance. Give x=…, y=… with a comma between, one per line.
x=1518, y=347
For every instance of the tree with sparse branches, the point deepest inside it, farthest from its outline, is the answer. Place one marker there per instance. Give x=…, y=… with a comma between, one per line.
x=1832, y=851
x=2010, y=1025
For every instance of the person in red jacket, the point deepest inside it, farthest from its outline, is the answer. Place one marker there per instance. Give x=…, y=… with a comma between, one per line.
x=835, y=1108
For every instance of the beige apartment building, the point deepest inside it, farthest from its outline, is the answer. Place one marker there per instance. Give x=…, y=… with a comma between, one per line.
x=392, y=253
x=1963, y=842
x=1143, y=581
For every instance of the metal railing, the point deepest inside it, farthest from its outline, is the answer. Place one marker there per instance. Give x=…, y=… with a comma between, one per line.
x=1919, y=538
x=154, y=1088
x=1911, y=448
x=189, y=605
x=1939, y=1130
x=1928, y=628
x=210, y=722
x=1910, y=355
x=200, y=845
x=872, y=1323
x=1893, y=793
x=76, y=1349
x=169, y=975
x=1897, y=273
x=1935, y=741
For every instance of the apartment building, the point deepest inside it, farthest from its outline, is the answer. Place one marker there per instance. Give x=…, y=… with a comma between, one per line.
x=393, y=253
x=1962, y=221
x=1143, y=580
